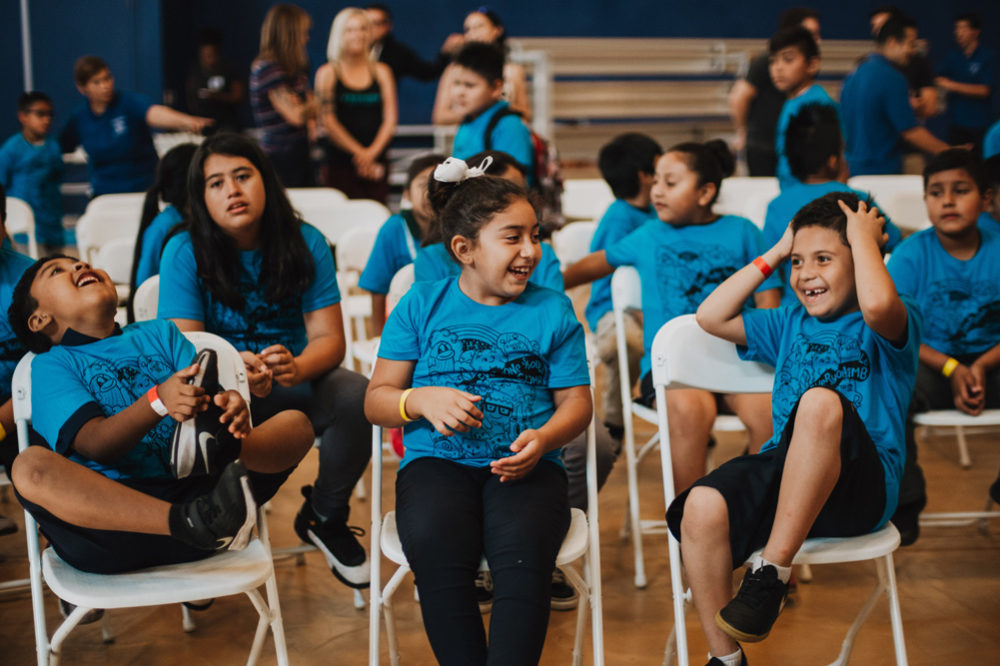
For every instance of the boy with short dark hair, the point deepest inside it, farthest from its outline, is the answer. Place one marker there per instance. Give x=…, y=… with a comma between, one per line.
x=952, y=272
x=477, y=88
x=103, y=491
x=627, y=164
x=794, y=67
x=815, y=152
x=844, y=368
x=31, y=168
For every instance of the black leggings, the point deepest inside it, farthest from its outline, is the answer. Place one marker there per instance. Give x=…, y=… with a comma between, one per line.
x=449, y=515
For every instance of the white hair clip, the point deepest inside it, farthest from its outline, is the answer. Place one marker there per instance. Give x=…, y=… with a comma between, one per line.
x=454, y=170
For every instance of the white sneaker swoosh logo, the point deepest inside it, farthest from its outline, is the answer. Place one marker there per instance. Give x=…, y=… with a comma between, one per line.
x=222, y=542
x=204, y=441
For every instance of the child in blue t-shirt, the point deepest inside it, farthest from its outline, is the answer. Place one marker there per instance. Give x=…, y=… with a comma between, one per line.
x=952, y=272
x=103, y=491
x=477, y=85
x=248, y=269
x=815, y=154
x=844, y=368
x=156, y=225
x=399, y=239
x=681, y=257
x=487, y=374
x=31, y=168
x=990, y=218
x=794, y=66
x=627, y=164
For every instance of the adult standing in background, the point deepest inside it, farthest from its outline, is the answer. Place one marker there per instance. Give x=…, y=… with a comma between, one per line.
x=214, y=89
x=966, y=75
x=113, y=128
x=282, y=103
x=401, y=59
x=358, y=110
x=875, y=105
x=755, y=104
x=919, y=71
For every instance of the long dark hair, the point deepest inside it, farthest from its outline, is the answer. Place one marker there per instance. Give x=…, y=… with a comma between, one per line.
x=287, y=267
x=170, y=186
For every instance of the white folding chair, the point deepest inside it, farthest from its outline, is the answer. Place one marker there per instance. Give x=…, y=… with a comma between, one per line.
x=115, y=256
x=129, y=203
x=21, y=220
x=335, y=221
x=880, y=186
x=582, y=540
x=572, y=242
x=685, y=356
x=365, y=351
x=231, y=572
x=735, y=191
x=626, y=293
x=353, y=250
x=906, y=209
x=307, y=200
x=586, y=198
x=96, y=229
x=145, y=302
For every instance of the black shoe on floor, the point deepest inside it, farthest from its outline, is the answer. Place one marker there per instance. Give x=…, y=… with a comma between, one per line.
x=564, y=597
x=751, y=614
x=484, y=591
x=202, y=445
x=224, y=518
x=338, y=542
x=90, y=617
x=907, y=521
x=715, y=661
x=995, y=491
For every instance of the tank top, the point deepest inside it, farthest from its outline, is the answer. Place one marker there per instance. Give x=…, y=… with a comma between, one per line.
x=359, y=111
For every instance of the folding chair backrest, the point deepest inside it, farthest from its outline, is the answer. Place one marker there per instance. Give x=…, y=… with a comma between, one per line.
x=335, y=221
x=115, y=257
x=307, y=200
x=626, y=289
x=401, y=283
x=129, y=203
x=586, y=198
x=572, y=242
x=21, y=220
x=95, y=230
x=146, y=299
x=700, y=360
x=232, y=370
x=736, y=190
x=882, y=186
x=907, y=210
x=354, y=248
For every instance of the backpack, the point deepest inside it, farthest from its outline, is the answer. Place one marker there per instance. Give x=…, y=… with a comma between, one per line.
x=548, y=178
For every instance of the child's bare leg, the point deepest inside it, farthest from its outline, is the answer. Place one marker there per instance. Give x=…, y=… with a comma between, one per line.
x=278, y=443
x=708, y=562
x=691, y=414
x=80, y=496
x=812, y=467
x=754, y=410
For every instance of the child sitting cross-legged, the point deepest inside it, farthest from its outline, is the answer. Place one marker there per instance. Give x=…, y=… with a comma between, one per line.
x=107, y=400
x=844, y=363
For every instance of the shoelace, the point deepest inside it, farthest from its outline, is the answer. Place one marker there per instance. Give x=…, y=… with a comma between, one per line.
x=757, y=587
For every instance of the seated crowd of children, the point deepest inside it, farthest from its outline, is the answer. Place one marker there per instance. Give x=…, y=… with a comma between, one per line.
x=483, y=365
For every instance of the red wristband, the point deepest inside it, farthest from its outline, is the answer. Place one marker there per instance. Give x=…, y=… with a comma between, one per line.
x=154, y=401
x=764, y=268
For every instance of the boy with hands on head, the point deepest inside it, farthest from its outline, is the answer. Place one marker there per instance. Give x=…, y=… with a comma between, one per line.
x=845, y=364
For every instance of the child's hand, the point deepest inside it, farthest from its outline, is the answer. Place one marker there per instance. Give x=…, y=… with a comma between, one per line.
x=864, y=222
x=282, y=364
x=448, y=410
x=234, y=412
x=259, y=376
x=528, y=450
x=967, y=388
x=181, y=399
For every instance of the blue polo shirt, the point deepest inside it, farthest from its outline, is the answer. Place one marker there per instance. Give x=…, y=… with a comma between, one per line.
x=510, y=135
x=991, y=142
x=963, y=110
x=875, y=110
x=119, y=145
x=813, y=94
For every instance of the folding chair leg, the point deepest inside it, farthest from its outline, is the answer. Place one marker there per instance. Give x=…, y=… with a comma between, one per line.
x=277, y=623
x=582, y=591
x=55, y=645
x=263, y=615
x=895, y=614
x=633, y=511
x=963, y=449
x=866, y=609
x=187, y=620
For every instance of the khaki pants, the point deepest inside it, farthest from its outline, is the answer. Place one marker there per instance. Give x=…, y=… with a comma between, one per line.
x=607, y=351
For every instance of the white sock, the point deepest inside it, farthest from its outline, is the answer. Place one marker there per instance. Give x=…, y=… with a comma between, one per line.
x=784, y=573
x=734, y=659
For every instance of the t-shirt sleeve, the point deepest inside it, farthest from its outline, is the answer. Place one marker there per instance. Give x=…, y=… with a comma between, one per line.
x=60, y=401
x=512, y=136
x=764, y=329
x=180, y=294
x=909, y=351
x=549, y=270
x=270, y=76
x=323, y=291
x=181, y=350
x=896, y=94
x=400, y=336
x=904, y=267
x=625, y=252
x=381, y=265
x=568, y=355
x=152, y=248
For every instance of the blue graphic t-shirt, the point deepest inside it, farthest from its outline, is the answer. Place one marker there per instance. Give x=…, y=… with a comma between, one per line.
x=511, y=355
x=259, y=324
x=783, y=208
x=433, y=263
x=395, y=246
x=12, y=266
x=680, y=266
x=510, y=136
x=959, y=300
x=34, y=172
x=987, y=221
x=152, y=243
x=619, y=220
x=814, y=94
x=84, y=378
x=846, y=356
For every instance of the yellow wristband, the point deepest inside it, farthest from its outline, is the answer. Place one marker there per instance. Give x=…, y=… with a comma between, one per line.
x=3, y=433
x=949, y=367
x=402, y=405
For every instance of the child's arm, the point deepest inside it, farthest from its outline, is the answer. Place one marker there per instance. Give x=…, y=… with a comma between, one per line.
x=573, y=412
x=720, y=313
x=880, y=304
x=448, y=410
x=378, y=312
x=592, y=267
x=105, y=439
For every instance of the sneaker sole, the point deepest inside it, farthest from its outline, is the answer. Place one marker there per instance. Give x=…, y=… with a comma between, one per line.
x=242, y=537
x=564, y=604
x=336, y=566
x=485, y=607
x=735, y=633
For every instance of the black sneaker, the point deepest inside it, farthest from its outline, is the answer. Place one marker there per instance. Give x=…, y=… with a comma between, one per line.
x=995, y=491
x=90, y=617
x=202, y=444
x=484, y=591
x=564, y=597
x=749, y=616
x=715, y=661
x=223, y=519
x=338, y=542
x=907, y=521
